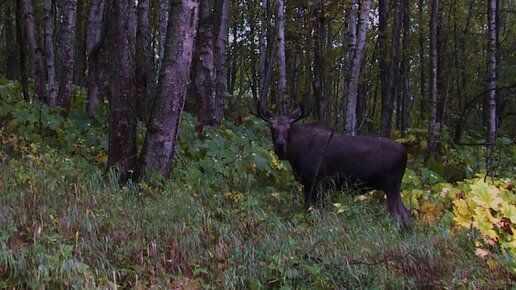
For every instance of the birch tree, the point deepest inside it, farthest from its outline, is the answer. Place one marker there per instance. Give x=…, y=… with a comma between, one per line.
x=434, y=94
x=36, y=52
x=66, y=53
x=144, y=61
x=93, y=36
x=356, y=68
x=49, y=54
x=222, y=31
x=160, y=141
x=492, y=63
x=162, y=28
x=121, y=116
x=282, y=60
x=21, y=39
x=204, y=75
x=406, y=102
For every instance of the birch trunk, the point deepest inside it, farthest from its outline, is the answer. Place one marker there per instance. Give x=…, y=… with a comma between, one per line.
x=121, y=117
x=204, y=66
x=93, y=36
x=356, y=69
x=282, y=61
x=163, y=21
x=66, y=49
x=383, y=45
x=265, y=49
x=144, y=71
x=49, y=55
x=405, y=68
x=158, y=151
x=36, y=52
x=434, y=94
x=222, y=11
x=21, y=39
x=492, y=63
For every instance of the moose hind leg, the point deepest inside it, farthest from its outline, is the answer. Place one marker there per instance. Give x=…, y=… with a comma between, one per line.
x=394, y=203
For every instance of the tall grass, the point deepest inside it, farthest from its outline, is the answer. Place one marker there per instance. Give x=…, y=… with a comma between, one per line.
x=66, y=224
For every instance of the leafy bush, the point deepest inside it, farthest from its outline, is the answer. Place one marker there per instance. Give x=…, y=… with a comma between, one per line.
x=490, y=209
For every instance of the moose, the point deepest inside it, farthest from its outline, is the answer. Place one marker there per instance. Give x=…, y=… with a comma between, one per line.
x=317, y=154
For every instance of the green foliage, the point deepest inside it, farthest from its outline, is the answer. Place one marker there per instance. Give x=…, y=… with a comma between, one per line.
x=38, y=124
x=230, y=217
x=490, y=209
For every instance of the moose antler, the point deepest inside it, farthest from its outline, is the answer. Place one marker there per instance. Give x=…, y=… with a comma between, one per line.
x=263, y=113
x=298, y=114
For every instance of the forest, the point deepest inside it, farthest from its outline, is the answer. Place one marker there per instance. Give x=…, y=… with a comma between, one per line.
x=134, y=152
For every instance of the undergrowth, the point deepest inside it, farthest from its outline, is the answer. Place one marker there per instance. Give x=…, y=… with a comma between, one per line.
x=230, y=217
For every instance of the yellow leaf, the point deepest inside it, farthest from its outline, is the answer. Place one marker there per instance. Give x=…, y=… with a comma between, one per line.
x=486, y=228
x=430, y=212
x=485, y=195
x=508, y=211
x=463, y=213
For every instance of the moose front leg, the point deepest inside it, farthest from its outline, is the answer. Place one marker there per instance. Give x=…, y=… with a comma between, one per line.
x=310, y=196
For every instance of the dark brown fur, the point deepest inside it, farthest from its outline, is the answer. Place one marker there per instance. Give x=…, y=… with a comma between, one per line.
x=317, y=153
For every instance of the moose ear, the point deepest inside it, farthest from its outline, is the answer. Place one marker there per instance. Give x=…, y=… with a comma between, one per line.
x=298, y=114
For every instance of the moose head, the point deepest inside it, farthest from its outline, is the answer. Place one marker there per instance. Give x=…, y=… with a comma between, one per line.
x=280, y=127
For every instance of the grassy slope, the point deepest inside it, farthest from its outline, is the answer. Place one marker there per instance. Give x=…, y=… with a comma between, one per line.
x=230, y=218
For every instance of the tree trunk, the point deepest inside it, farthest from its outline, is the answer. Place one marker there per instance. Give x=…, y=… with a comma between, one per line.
x=392, y=79
x=382, y=49
x=144, y=71
x=434, y=94
x=204, y=66
x=422, y=67
x=222, y=29
x=491, y=69
x=163, y=21
x=405, y=68
x=79, y=74
x=356, y=69
x=93, y=36
x=157, y=153
x=282, y=60
x=49, y=55
x=9, y=56
x=265, y=50
x=36, y=51
x=319, y=82
x=121, y=117
x=20, y=36
x=66, y=49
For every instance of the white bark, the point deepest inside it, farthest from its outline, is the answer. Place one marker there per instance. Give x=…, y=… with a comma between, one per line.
x=66, y=49
x=49, y=55
x=356, y=68
x=282, y=62
x=160, y=142
x=432, y=142
x=491, y=23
